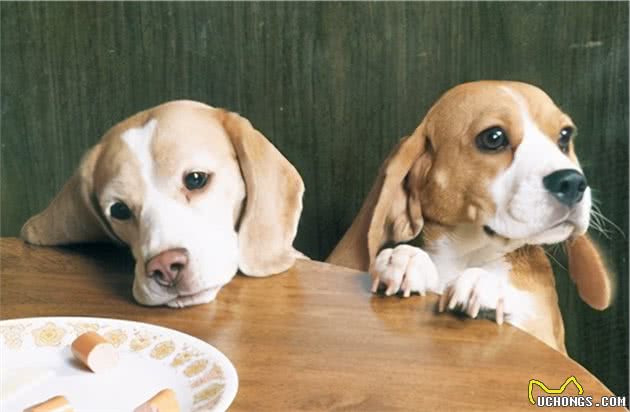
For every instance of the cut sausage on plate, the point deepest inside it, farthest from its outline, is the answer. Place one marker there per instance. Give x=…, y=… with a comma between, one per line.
x=95, y=352
x=54, y=404
x=164, y=401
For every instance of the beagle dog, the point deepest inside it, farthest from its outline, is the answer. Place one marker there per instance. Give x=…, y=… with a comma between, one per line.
x=196, y=193
x=488, y=177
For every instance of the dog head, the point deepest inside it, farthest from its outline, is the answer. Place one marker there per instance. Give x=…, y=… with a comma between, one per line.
x=196, y=192
x=496, y=158
x=500, y=155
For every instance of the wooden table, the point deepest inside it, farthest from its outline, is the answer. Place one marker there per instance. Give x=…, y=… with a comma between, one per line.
x=313, y=338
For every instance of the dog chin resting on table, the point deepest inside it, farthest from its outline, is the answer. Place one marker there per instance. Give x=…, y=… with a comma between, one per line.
x=196, y=192
x=488, y=176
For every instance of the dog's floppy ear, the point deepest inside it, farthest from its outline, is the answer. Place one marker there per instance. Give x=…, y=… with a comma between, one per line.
x=588, y=271
x=392, y=210
x=70, y=217
x=273, y=205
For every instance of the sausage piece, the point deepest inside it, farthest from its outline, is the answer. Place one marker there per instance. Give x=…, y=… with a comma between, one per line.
x=54, y=404
x=94, y=352
x=164, y=401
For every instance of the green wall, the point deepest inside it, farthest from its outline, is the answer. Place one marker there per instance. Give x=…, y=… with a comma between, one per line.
x=333, y=85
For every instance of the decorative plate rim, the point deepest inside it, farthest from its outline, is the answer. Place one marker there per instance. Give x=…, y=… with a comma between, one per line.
x=231, y=376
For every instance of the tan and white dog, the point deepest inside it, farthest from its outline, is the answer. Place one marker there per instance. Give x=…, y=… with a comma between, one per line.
x=196, y=193
x=488, y=176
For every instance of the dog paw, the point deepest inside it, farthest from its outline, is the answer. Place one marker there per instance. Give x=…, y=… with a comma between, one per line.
x=474, y=290
x=404, y=268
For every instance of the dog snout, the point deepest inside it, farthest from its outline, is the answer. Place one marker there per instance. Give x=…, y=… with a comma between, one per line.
x=168, y=267
x=566, y=185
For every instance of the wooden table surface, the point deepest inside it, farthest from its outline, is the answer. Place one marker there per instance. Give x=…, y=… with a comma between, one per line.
x=313, y=338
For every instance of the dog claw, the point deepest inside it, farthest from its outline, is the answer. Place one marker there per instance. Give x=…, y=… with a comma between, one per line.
x=473, y=307
x=442, y=304
x=452, y=303
x=500, y=312
x=375, y=283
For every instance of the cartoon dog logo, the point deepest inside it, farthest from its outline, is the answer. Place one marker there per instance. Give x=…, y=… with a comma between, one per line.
x=545, y=389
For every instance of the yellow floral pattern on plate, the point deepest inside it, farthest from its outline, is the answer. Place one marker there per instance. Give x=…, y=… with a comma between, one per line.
x=116, y=337
x=183, y=357
x=196, y=367
x=163, y=349
x=13, y=335
x=216, y=373
x=82, y=327
x=48, y=335
x=209, y=393
x=140, y=342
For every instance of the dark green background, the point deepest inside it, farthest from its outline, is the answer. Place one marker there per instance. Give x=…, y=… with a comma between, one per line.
x=333, y=85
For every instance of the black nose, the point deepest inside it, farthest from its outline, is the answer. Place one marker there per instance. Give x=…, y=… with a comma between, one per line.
x=566, y=185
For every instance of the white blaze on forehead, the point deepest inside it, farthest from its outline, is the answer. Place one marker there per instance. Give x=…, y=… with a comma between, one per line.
x=158, y=214
x=139, y=142
x=535, y=141
x=536, y=153
x=155, y=207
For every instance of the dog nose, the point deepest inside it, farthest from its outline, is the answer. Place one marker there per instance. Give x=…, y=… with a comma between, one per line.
x=167, y=267
x=566, y=185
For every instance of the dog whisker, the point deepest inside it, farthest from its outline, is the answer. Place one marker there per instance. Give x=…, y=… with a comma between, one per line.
x=555, y=248
x=598, y=226
x=600, y=221
x=552, y=257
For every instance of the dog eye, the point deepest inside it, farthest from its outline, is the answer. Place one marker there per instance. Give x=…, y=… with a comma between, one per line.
x=492, y=139
x=195, y=180
x=120, y=211
x=565, y=139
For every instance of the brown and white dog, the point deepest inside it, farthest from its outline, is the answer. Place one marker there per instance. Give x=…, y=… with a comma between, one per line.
x=196, y=192
x=488, y=176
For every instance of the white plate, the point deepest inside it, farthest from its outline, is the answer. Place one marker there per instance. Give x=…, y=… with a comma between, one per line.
x=151, y=358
